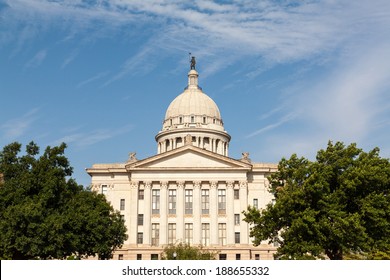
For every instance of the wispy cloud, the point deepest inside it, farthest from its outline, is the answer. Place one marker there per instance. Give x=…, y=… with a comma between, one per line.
x=37, y=60
x=92, y=79
x=83, y=139
x=14, y=128
x=283, y=120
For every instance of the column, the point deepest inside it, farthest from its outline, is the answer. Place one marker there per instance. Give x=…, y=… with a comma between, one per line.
x=180, y=211
x=132, y=213
x=163, y=212
x=147, y=210
x=230, y=212
x=213, y=213
x=243, y=207
x=197, y=228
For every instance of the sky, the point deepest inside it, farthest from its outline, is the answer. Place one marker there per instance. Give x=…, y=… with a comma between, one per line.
x=287, y=76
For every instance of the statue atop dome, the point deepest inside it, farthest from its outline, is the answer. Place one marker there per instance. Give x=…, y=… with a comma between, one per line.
x=193, y=63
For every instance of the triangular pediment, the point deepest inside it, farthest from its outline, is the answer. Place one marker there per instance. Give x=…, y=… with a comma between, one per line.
x=188, y=157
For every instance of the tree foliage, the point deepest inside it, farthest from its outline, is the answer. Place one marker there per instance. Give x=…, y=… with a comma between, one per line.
x=184, y=251
x=45, y=214
x=337, y=206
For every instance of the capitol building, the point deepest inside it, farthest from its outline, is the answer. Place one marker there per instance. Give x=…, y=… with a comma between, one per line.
x=191, y=191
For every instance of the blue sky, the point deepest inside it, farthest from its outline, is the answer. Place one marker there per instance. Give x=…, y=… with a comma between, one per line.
x=287, y=75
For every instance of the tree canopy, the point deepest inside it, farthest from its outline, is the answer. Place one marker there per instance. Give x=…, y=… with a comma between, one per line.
x=44, y=214
x=337, y=206
x=184, y=251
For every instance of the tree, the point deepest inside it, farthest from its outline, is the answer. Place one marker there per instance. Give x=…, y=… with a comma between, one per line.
x=44, y=214
x=184, y=251
x=337, y=206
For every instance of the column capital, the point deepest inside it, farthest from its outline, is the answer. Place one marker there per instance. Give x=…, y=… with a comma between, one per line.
x=230, y=184
x=148, y=184
x=244, y=184
x=133, y=184
x=214, y=184
x=164, y=184
x=197, y=184
x=180, y=184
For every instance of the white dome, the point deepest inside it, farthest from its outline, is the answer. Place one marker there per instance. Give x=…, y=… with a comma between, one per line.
x=193, y=102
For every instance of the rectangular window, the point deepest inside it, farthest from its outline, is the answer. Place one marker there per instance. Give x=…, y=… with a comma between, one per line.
x=188, y=201
x=140, y=219
x=236, y=219
x=205, y=234
x=122, y=204
x=139, y=257
x=237, y=237
x=140, y=194
x=155, y=201
x=140, y=238
x=222, y=257
x=257, y=256
x=222, y=234
x=104, y=189
x=120, y=257
x=205, y=202
x=188, y=233
x=236, y=194
x=154, y=256
x=255, y=203
x=238, y=257
x=221, y=201
x=171, y=201
x=171, y=233
x=155, y=234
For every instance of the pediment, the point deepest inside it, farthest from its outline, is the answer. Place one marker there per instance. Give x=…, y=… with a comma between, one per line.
x=188, y=157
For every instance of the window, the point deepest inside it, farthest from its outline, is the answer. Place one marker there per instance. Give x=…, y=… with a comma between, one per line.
x=188, y=233
x=205, y=202
x=238, y=257
x=155, y=201
x=221, y=201
x=122, y=204
x=171, y=201
x=171, y=233
x=180, y=120
x=192, y=119
x=140, y=194
x=255, y=203
x=222, y=234
x=140, y=238
x=139, y=257
x=257, y=256
x=222, y=257
x=205, y=234
x=204, y=119
x=237, y=237
x=120, y=257
x=140, y=219
x=236, y=219
x=104, y=189
x=155, y=234
x=188, y=201
x=236, y=194
x=154, y=256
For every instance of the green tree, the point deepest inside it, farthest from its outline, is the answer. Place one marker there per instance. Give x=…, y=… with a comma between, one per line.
x=337, y=206
x=44, y=214
x=184, y=251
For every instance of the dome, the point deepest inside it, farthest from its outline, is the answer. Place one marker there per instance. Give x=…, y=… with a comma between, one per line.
x=193, y=106
x=193, y=102
x=193, y=115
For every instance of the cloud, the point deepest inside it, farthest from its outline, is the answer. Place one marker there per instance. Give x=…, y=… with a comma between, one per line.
x=92, y=79
x=283, y=120
x=36, y=60
x=14, y=128
x=84, y=139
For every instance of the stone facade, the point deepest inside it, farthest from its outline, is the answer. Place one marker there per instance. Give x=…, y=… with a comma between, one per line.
x=190, y=191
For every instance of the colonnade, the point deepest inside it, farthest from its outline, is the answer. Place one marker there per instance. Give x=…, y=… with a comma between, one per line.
x=196, y=218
